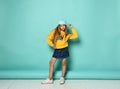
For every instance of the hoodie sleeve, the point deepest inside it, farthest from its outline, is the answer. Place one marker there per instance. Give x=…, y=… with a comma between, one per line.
x=50, y=38
x=74, y=34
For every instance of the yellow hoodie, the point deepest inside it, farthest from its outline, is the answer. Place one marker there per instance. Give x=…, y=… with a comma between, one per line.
x=62, y=41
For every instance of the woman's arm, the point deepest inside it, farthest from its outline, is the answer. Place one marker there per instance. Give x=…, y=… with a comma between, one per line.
x=74, y=33
x=50, y=38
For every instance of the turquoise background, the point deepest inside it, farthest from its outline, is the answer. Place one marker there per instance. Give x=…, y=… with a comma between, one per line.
x=25, y=24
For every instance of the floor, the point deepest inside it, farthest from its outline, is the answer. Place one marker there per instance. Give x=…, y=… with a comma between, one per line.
x=69, y=84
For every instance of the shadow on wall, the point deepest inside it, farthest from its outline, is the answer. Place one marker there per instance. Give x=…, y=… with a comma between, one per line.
x=58, y=65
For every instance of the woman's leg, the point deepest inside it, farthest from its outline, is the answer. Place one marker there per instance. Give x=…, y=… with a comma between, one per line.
x=63, y=66
x=51, y=68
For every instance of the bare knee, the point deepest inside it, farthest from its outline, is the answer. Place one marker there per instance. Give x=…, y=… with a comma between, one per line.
x=64, y=62
x=52, y=62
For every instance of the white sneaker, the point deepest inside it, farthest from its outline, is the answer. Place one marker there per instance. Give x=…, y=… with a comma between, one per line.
x=62, y=80
x=47, y=81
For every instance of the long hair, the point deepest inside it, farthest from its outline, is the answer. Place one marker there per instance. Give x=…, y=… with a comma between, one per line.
x=57, y=33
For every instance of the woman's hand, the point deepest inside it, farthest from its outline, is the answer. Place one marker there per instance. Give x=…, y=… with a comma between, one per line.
x=54, y=46
x=71, y=26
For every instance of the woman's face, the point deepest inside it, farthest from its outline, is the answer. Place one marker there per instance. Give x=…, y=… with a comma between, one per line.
x=62, y=27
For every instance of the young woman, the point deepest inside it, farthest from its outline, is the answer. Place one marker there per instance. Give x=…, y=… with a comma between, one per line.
x=58, y=40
